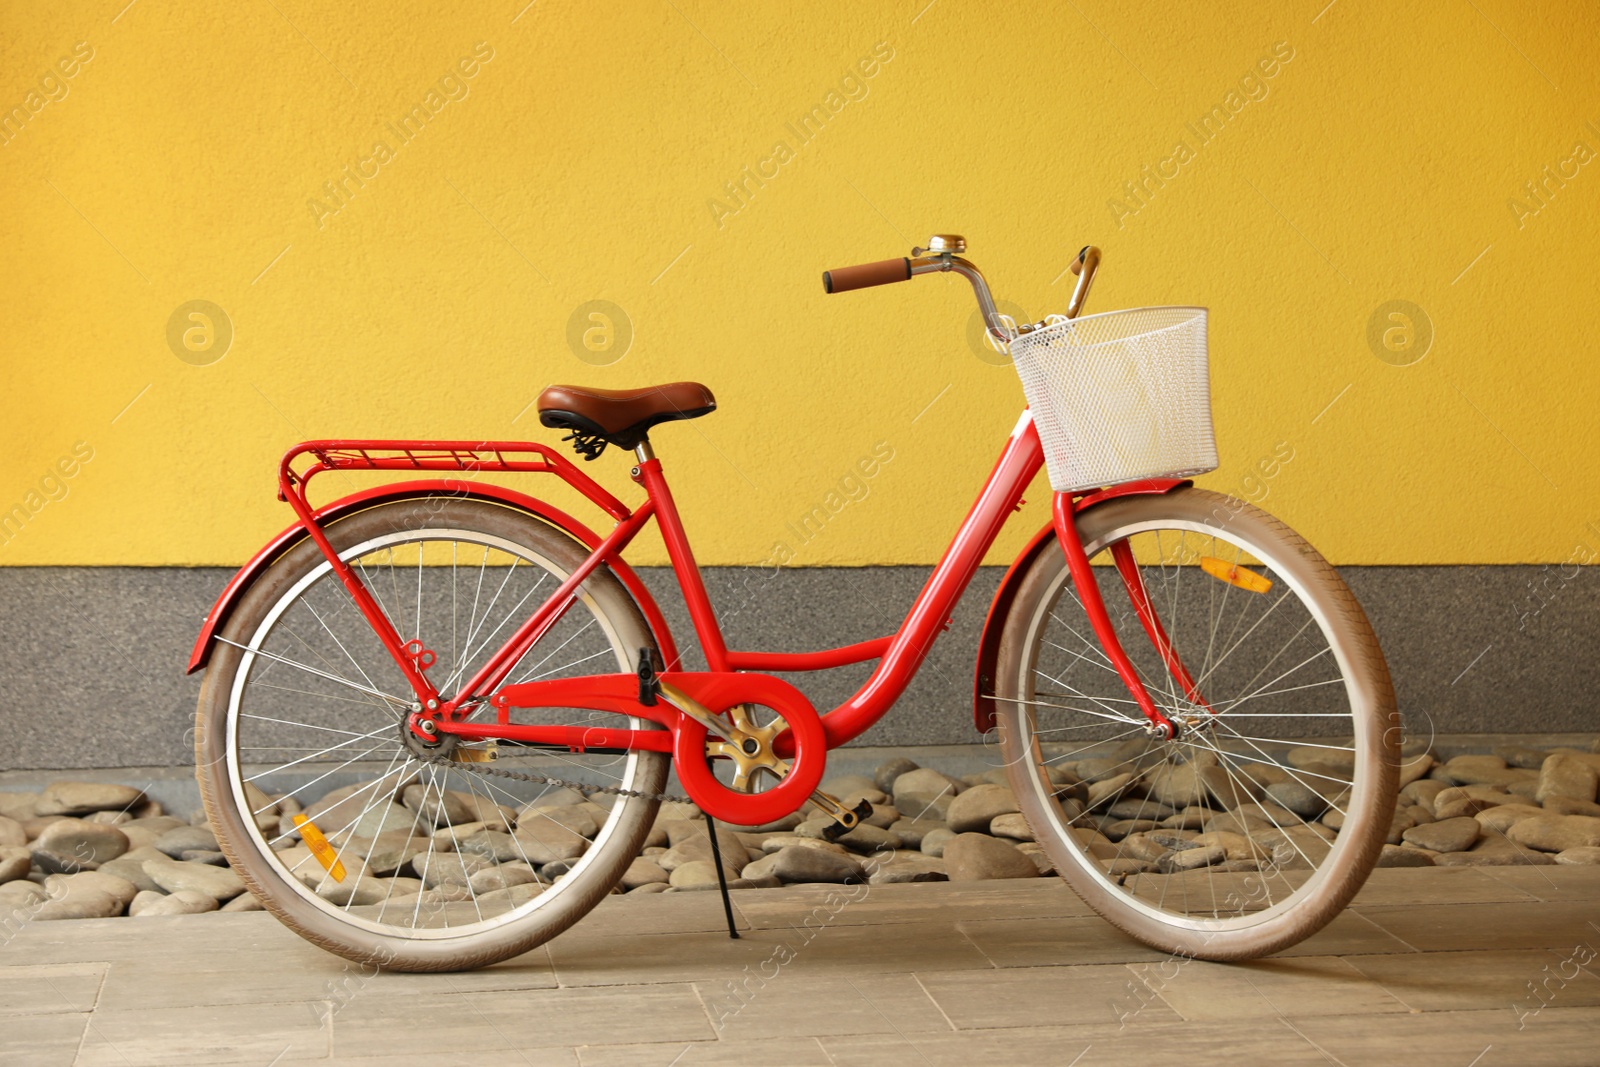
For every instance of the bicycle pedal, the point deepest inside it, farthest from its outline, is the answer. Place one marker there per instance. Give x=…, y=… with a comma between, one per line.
x=847, y=821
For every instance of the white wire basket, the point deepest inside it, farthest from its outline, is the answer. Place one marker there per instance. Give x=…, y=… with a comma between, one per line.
x=1119, y=396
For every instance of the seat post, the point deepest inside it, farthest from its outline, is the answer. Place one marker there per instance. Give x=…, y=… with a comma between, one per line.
x=643, y=452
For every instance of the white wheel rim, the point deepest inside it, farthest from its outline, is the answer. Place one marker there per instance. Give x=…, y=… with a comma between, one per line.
x=1063, y=847
x=552, y=895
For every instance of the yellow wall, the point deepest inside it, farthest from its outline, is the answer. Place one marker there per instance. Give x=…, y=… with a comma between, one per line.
x=1384, y=160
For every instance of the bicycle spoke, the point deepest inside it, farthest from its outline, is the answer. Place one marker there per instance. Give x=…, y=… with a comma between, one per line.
x=391, y=698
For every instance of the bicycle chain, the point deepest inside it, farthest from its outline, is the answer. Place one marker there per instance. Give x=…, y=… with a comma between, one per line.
x=545, y=779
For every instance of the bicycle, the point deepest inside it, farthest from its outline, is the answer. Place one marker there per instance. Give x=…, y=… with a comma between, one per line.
x=1132, y=743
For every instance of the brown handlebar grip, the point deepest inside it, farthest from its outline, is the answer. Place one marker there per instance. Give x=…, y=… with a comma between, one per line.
x=1077, y=264
x=865, y=275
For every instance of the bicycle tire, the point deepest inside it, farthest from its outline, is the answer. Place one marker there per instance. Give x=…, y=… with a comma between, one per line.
x=1238, y=930
x=351, y=932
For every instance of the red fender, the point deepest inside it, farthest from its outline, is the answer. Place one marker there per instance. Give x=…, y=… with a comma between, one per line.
x=983, y=706
x=408, y=491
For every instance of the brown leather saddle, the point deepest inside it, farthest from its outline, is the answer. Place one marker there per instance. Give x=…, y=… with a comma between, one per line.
x=595, y=418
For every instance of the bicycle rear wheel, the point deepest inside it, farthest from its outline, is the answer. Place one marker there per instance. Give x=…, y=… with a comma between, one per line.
x=1256, y=825
x=335, y=822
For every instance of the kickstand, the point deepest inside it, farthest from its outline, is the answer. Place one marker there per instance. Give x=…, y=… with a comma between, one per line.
x=722, y=877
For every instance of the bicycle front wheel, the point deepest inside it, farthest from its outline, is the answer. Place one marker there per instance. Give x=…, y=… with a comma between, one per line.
x=337, y=822
x=1256, y=825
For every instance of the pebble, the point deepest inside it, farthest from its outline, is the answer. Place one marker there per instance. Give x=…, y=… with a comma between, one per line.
x=80, y=902
x=1012, y=825
x=88, y=843
x=1518, y=756
x=1140, y=808
x=1117, y=829
x=1177, y=785
x=1399, y=856
x=1298, y=798
x=575, y=817
x=1399, y=823
x=82, y=798
x=643, y=871
x=502, y=876
x=1582, y=855
x=1563, y=775
x=867, y=839
x=1190, y=859
x=1423, y=792
x=219, y=883
x=1235, y=846
x=440, y=868
x=19, y=806
x=888, y=771
x=694, y=873
x=904, y=866
x=243, y=902
x=1466, y=800
x=883, y=815
x=934, y=841
x=351, y=810
x=11, y=832
x=910, y=832
x=924, y=792
x=1482, y=770
x=974, y=809
x=651, y=887
x=181, y=839
x=15, y=895
x=1556, y=833
x=800, y=864
x=1447, y=835
x=15, y=863
x=1107, y=790
x=1190, y=818
x=543, y=841
x=1493, y=852
x=52, y=862
x=1571, y=806
x=1413, y=769
x=183, y=902
x=1141, y=848
x=1503, y=817
x=975, y=857
x=120, y=889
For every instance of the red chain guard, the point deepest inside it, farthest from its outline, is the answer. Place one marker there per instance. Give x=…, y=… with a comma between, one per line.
x=716, y=691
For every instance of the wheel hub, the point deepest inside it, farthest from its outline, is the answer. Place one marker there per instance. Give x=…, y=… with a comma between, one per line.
x=421, y=737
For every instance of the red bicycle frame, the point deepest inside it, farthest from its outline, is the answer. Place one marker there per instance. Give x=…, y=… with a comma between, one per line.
x=733, y=676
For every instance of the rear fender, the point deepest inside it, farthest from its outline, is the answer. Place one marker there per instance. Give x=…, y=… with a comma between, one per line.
x=983, y=702
x=386, y=494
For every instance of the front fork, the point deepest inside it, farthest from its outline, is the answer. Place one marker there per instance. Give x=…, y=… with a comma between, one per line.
x=1094, y=606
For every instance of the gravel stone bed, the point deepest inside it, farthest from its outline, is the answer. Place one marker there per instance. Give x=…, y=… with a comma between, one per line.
x=95, y=850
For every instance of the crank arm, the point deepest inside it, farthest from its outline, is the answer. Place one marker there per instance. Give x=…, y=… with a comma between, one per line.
x=691, y=707
x=844, y=819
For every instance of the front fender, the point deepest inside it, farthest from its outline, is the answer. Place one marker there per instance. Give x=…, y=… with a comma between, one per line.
x=983, y=702
x=409, y=491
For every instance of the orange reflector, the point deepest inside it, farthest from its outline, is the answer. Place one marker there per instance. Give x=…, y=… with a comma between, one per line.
x=325, y=853
x=1245, y=579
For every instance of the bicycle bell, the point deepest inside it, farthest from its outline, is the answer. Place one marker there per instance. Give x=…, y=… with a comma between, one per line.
x=941, y=244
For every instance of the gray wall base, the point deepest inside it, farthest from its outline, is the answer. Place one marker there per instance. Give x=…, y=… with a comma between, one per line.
x=94, y=656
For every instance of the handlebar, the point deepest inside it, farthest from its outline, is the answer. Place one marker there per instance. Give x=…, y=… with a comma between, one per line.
x=866, y=275
x=1084, y=267
x=884, y=272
